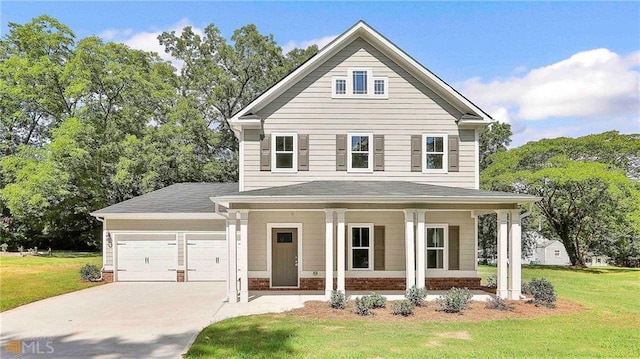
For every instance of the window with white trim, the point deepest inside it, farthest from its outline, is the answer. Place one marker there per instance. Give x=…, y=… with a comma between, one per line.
x=359, y=83
x=361, y=246
x=284, y=152
x=436, y=246
x=434, y=157
x=360, y=156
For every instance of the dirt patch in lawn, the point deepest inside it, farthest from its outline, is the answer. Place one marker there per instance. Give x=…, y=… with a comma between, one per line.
x=431, y=312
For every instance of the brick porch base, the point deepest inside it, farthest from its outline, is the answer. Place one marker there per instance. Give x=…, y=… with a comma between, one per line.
x=363, y=284
x=107, y=276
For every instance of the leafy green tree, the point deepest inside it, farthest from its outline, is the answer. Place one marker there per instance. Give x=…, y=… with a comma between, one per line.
x=589, y=206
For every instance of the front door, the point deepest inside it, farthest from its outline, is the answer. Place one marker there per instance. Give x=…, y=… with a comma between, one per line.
x=284, y=257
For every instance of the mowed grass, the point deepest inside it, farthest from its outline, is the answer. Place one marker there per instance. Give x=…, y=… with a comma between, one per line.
x=609, y=328
x=28, y=279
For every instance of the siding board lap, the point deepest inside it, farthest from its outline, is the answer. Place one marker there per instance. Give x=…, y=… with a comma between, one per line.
x=265, y=154
x=341, y=152
x=416, y=153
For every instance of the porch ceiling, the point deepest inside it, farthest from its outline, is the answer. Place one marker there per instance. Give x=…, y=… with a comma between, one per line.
x=371, y=192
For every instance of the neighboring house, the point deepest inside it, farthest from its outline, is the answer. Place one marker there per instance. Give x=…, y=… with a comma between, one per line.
x=358, y=171
x=597, y=261
x=550, y=253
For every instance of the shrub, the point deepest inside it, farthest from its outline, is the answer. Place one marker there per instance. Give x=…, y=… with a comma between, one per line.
x=498, y=303
x=492, y=281
x=403, y=307
x=455, y=300
x=4, y=247
x=524, y=288
x=416, y=295
x=543, y=292
x=377, y=300
x=90, y=273
x=338, y=300
x=363, y=305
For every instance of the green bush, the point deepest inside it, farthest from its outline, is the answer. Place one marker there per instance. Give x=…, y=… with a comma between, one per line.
x=524, y=288
x=455, y=300
x=338, y=300
x=377, y=300
x=416, y=295
x=498, y=303
x=543, y=292
x=364, y=305
x=403, y=307
x=492, y=281
x=90, y=273
x=4, y=247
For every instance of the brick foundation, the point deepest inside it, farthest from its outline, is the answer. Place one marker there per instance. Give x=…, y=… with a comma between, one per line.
x=107, y=276
x=371, y=284
x=180, y=274
x=448, y=283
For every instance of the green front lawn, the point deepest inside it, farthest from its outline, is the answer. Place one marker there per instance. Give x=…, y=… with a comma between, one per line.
x=27, y=279
x=610, y=328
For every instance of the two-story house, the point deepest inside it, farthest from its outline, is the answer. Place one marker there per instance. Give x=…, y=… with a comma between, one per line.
x=358, y=171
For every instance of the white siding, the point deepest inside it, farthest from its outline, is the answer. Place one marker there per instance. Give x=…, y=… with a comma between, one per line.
x=178, y=225
x=411, y=109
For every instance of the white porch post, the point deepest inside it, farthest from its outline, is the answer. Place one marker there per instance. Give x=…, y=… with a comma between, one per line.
x=515, y=258
x=328, y=257
x=420, y=249
x=341, y=250
x=410, y=252
x=244, y=256
x=503, y=233
x=232, y=280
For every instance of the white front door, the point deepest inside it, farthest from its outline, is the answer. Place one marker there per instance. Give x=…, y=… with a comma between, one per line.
x=147, y=260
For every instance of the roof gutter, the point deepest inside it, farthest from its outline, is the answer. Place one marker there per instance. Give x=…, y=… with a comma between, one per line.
x=342, y=199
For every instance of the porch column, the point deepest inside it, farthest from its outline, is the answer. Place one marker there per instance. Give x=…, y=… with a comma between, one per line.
x=410, y=252
x=515, y=256
x=328, y=256
x=243, y=258
x=232, y=280
x=341, y=250
x=503, y=233
x=420, y=249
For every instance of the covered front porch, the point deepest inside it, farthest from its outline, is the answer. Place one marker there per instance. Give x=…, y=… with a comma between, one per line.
x=359, y=243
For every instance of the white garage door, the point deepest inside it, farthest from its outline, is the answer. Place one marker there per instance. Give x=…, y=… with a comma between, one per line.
x=147, y=257
x=206, y=257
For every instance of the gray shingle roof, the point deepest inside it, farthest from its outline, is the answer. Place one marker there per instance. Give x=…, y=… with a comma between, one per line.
x=177, y=198
x=375, y=190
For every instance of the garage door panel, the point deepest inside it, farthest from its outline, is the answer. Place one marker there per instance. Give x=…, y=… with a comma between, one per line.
x=206, y=259
x=146, y=259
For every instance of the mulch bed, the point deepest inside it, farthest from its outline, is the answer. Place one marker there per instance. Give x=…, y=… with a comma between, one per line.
x=430, y=312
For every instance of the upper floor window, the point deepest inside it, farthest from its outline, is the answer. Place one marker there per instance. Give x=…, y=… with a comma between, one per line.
x=284, y=152
x=360, y=153
x=435, y=153
x=360, y=83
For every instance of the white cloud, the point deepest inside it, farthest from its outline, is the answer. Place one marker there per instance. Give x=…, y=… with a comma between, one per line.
x=321, y=42
x=597, y=87
x=148, y=40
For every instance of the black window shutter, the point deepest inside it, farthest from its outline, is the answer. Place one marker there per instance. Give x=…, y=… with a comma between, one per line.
x=265, y=154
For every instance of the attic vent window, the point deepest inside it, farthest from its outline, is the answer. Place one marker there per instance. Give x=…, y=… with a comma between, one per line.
x=360, y=83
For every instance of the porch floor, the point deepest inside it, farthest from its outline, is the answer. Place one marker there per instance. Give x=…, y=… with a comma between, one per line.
x=301, y=296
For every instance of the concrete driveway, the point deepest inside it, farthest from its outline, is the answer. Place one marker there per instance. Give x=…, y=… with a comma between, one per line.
x=118, y=320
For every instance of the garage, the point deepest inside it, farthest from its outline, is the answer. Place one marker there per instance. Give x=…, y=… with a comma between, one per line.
x=147, y=257
x=206, y=257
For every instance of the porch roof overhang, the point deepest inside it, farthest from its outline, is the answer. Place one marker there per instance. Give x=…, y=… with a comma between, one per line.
x=371, y=192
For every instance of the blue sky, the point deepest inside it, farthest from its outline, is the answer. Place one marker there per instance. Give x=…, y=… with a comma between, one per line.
x=549, y=68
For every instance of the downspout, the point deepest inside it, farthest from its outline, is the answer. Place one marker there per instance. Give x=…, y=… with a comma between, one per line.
x=527, y=213
x=101, y=269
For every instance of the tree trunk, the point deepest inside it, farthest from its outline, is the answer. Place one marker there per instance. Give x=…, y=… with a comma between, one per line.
x=572, y=250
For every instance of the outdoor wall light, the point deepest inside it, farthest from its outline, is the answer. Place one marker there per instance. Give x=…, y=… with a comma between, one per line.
x=109, y=240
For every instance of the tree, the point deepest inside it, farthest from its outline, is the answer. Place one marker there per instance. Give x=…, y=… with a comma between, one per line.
x=589, y=206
